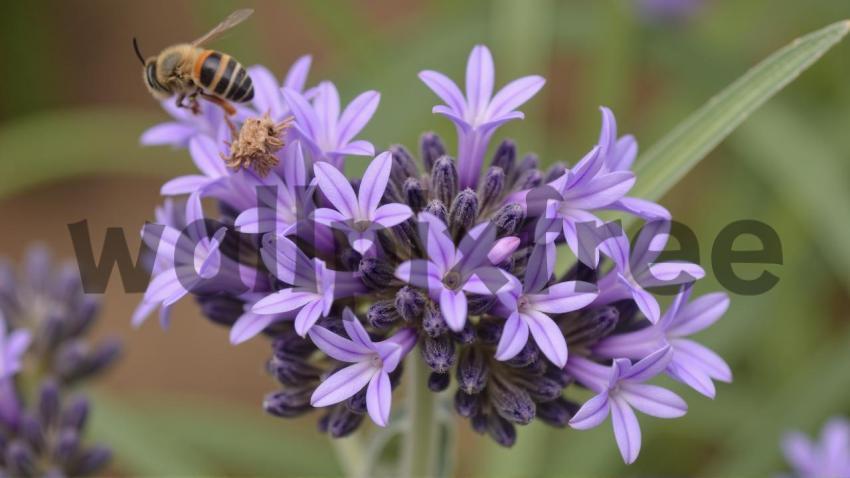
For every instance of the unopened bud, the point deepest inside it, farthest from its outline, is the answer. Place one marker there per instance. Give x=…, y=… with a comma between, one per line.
x=501, y=431
x=472, y=371
x=343, y=422
x=437, y=382
x=492, y=187
x=288, y=403
x=410, y=303
x=591, y=326
x=439, y=353
x=438, y=209
x=414, y=194
x=557, y=412
x=382, y=314
x=444, y=180
x=554, y=172
x=376, y=273
x=403, y=166
x=431, y=148
x=433, y=322
x=467, y=405
x=508, y=219
x=512, y=403
x=464, y=211
x=505, y=156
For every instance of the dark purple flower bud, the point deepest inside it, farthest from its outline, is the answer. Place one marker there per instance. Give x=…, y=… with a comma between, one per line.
x=48, y=403
x=437, y=382
x=528, y=355
x=357, y=402
x=221, y=309
x=106, y=353
x=290, y=343
x=472, y=371
x=407, y=240
x=464, y=211
x=32, y=430
x=439, y=353
x=376, y=273
x=382, y=314
x=438, y=209
x=20, y=459
x=324, y=422
x=91, y=460
x=628, y=310
x=530, y=179
x=51, y=334
x=404, y=166
x=66, y=447
x=557, y=412
x=479, y=423
x=593, y=325
x=293, y=370
x=70, y=359
x=74, y=415
x=512, y=403
x=505, y=156
x=489, y=331
x=414, y=195
x=559, y=375
x=433, y=322
x=466, y=336
x=554, y=172
x=501, y=431
x=480, y=304
x=431, y=148
x=542, y=388
x=529, y=162
x=349, y=259
x=395, y=375
x=444, y=180
x=289, y=402
x=492, y=187
x=508, y=219
x=467, y=405
x=343, y=422
x=410, y=303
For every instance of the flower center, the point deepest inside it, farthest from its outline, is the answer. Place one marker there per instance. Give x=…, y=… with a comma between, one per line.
x=362, y=226
x=452, y=279
x=522, y=302
x=376, y=361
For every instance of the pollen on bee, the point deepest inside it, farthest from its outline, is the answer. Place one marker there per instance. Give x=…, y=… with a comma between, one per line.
x=256, y=144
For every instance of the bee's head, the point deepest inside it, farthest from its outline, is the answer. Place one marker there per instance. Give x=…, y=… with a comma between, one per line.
x=149, y=74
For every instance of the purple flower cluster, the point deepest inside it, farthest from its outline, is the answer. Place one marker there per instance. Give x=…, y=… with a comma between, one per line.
x=447, y=256
x=44, y=317
x=829, y=456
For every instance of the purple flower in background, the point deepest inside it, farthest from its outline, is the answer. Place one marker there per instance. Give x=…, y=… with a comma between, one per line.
x=530, y=306
x=372, y=362
x=359, y=216
x=207, y=157
x=268, y=95
x=478, y=114
x=449, y=272
x=669, y=10
x=636, y=271
x=691, y=363
x=621, y=390
x=828, y=457
x=329, y=134
x=12, y=348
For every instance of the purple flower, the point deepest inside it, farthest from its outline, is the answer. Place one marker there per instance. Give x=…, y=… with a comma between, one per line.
x=617, y=393
x=449, y=272
x=372, y=362
x=281, y=213
x=635, y=271
x=315, y=287
x=530, y=304
x=359, y=216
x=207, y=157
x=268, y=95
x=479, y=113
x=178, y=133
x=691, y=363
x=12, y=348
x=329, y=134
x=830, y=457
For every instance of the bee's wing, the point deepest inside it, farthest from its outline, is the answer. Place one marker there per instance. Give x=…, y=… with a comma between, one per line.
x=231, y=21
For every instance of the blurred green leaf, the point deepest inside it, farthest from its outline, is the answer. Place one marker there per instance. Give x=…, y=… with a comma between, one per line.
x=666, y=162
x=55, y=145
x=199, y=437
x=809, y=176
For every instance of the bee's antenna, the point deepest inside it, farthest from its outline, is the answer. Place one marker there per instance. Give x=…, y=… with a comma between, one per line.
x=138, y=53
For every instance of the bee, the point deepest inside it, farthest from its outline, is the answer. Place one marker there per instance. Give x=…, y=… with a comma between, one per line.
x=189, y=70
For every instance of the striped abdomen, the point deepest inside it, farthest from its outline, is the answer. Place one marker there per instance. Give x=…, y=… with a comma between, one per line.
x=221, y=75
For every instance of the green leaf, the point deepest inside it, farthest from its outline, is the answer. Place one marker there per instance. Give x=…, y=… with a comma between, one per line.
x=666, y=162
x=84, y=142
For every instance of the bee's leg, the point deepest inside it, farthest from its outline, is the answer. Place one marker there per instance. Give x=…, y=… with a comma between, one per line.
x=229, y=110
x=193, y=103
x=179, y=101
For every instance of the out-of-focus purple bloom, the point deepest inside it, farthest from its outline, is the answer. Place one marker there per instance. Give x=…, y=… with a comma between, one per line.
x=479, y=113
x=828, y=457
x=207, y=157
x=449, y=272
x=621, y=388
x=329, y=134
x=691, y=363
x=12, y=348
x=636, y=271
x=360, y=215
x=669, y=10
x=529, y=306
x=268, y=94
x=372, y=364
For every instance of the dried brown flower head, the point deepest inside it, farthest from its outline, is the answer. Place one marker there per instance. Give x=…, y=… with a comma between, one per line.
x=256, y=145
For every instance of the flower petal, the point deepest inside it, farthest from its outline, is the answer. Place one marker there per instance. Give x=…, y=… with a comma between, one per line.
x=453, y=307
x=696, y=355
x=654, y=400
x=392, y=214
x=373, y=184
x=592, y=413
x=626, y=429
x=548, y=337
x=420, y=273
x=355, y=329
x=438, y=243
x=601, y=191
x=184, y=185
x=267, y=94
x=446, y=89
x=172, y=133
x=338, y=347
x=480, y=75
x=354, y=148
x=296, y=77
x=642, y=208
x=514, y=337
x=306, y=117
x=283, y=301
x=379, y=398
x=649, y=366
x=699, y=314
x=249, y=325
x=337, y=189
x=207, y=156
x=693, y=377
x=514, y=94
x=308, y=316
x=564, y=297
x=330, y=217
x=343, y=384
x=356, y=115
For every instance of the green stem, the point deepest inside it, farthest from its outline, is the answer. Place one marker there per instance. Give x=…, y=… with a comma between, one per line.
x=424, y=445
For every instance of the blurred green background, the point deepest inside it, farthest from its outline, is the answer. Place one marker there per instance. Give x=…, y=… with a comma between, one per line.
x=72, y=106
